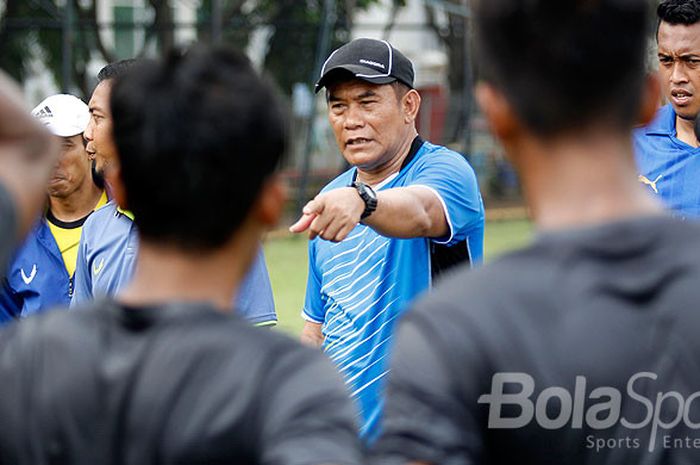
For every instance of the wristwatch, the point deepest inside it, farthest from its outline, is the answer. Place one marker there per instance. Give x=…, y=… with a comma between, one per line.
x=368, y=196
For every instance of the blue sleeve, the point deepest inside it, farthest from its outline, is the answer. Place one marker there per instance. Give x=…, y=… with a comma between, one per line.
x=10, y=304
x=255, y=301
x=449, y=175
x=82, y=279
x=314, y=310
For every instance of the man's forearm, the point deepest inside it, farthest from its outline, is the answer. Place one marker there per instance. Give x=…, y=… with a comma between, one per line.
x=403, y=212
x=407, y=212
x=27, y=154
x=18, y=129
x=8, y=226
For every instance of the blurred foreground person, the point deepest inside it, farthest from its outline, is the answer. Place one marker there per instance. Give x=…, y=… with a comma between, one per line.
x=41, y=274
x=582, y=348
x=27, y=156
x=109, y=242
x=163, y=373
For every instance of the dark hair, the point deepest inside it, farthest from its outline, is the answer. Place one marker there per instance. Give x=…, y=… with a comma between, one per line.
x=197, y=135
x=679, y=11
x=400, y=89
x=116, y=69
x=564, y=63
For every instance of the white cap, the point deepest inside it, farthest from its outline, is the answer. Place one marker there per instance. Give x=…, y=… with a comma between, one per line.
x=64, y=115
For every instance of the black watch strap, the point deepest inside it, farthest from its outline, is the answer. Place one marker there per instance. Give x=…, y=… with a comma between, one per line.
x=368, y=196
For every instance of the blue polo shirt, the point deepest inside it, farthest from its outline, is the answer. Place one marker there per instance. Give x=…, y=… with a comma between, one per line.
x=669, y=167
x=358, y=288
x=108, y=248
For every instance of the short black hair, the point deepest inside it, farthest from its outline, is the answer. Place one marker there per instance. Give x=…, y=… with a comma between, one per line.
x=197, y=135
x=564, y=63
x=116, y=69
x=400, y=89
x=685, y=12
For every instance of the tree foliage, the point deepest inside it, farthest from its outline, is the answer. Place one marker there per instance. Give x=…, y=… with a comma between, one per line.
x=293, y=27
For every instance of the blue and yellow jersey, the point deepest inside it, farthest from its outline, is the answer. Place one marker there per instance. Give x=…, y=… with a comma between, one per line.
x=67, y=236
x=41, y=274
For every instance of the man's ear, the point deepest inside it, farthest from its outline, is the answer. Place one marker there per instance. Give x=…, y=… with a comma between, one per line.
x=498, y=112
x=410, y=104
x=270, y=203
x=113, y=176
x=651, y=95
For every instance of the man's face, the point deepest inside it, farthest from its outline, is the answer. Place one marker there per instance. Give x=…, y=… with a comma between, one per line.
x=679, y=67
x=73, y=169
x=100, y=144
x=368, y=122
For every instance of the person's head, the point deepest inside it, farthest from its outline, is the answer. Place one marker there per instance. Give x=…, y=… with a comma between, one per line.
x=372, y=105
x=553, y=68
x=196, y=163
x=66, y=116
x=678, y=39
x=100, y=144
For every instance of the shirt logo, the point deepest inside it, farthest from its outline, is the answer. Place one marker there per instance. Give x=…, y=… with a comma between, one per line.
x=30, y=278
x=652, y=184
x=96, y=269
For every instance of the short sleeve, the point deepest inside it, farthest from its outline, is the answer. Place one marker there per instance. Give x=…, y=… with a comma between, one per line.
x=307, y=416
x=313, y=305
x=426, y=418
x=452, y=179
x=254, y=301
x=82, y=279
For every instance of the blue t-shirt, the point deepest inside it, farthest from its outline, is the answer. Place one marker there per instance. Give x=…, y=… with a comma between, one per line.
x=669, y=167
x=358, y=288
x=108, y=248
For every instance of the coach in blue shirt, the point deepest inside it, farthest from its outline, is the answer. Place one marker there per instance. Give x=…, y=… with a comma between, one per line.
x=667, y=150
x=380, y=233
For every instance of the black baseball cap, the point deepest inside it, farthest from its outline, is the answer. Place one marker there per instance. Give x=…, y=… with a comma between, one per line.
x=371, y=60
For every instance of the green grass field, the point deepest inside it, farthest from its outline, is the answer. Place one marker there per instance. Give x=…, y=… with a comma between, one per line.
x=287, y=264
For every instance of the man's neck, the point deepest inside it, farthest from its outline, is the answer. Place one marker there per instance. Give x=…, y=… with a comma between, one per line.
x=166, y=274
x=584, y=181
x=685, y=131
x=376, y=176
x=77, y=205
